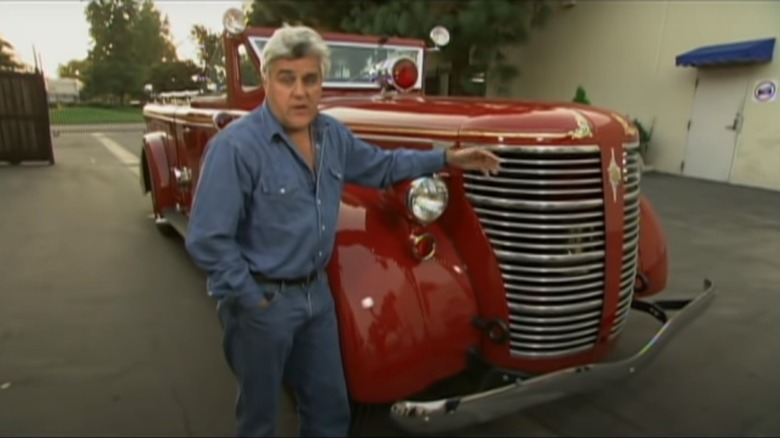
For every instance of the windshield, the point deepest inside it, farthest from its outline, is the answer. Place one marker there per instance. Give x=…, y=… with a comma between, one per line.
x=352, y=62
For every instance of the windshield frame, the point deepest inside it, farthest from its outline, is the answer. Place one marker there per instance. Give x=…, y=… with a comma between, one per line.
x=420, y=59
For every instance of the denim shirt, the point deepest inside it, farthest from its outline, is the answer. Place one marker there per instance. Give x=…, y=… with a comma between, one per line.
x=258, y=208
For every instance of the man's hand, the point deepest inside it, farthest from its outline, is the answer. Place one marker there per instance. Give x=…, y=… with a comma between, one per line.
x=474, y=158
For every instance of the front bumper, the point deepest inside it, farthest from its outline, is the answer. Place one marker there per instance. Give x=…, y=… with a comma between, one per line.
x=434, y=417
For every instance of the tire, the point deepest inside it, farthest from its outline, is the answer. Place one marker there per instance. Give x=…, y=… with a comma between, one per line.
x=164, y=227
x=159, y=222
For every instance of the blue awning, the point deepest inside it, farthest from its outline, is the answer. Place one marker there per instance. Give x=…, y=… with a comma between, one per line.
x=733, y=53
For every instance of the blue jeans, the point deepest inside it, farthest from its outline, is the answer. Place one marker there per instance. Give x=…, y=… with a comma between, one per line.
x=294, y=339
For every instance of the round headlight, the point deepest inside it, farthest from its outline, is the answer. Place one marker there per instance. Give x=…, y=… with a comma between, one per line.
x=234, y=21
x=427, y=198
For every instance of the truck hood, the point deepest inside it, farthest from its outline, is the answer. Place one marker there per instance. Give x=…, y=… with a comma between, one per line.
x=469, y=117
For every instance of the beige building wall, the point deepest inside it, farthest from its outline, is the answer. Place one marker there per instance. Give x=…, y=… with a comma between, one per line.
x=623, y=53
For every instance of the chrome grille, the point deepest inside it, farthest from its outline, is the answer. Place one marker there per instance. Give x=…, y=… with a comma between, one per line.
x=632, y=176
x=544, y=216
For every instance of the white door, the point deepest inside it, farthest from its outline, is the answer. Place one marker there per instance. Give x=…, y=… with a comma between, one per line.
x=716, y=119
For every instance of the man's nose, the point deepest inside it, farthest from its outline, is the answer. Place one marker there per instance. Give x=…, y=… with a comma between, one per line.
x=299, y=89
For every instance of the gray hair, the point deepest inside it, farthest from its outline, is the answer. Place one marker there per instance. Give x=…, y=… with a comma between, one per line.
x=295, y=42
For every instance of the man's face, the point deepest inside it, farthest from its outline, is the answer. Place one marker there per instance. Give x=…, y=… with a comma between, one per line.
x=293, y=89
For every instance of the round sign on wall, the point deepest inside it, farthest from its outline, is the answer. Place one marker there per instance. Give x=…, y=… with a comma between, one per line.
x=765, y=91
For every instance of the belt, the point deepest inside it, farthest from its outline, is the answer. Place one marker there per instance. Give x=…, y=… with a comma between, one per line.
x=297, y=281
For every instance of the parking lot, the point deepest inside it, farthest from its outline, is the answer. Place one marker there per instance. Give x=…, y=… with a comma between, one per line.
x=106, y=329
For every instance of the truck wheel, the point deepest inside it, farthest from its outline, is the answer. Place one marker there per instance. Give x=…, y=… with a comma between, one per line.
x=160, y=223
x=164, y=227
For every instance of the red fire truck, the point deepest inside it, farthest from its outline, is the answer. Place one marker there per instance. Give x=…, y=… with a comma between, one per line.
x=524, y=279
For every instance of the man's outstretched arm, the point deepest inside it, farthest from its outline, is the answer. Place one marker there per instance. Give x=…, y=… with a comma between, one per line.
x=372, y=166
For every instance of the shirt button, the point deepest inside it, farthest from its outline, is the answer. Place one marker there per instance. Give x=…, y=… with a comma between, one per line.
x=282, y=190
x=320, y=253
x=319, y=202
x=323, y=228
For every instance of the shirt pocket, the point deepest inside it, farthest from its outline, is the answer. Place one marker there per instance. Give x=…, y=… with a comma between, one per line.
x=281, y=207
x=334, y=170
x=281, y=195
x=280, y=185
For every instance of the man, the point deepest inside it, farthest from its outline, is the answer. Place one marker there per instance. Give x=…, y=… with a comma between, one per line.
x=263, y=227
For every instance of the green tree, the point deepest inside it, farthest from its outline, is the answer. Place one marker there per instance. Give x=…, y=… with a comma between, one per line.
x=130, y=39
x=7, y=59
x=309, y=12
x=211, y=54
x=75, y=69
x=114, y=69
x=480, y=30
x=152, y=39
x=173, y=76
x=580, y=96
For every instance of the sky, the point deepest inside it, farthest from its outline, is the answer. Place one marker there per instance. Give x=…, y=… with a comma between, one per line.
x=59, y=31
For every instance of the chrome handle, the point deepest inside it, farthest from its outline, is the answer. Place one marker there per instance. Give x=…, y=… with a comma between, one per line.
x=735, y=125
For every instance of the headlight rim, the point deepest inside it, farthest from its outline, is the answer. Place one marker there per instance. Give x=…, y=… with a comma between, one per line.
x=411, y=196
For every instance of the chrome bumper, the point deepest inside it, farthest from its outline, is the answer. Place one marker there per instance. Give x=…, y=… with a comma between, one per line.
x=434, y=417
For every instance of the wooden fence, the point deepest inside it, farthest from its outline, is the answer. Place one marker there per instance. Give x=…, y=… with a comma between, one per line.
x=25, y=133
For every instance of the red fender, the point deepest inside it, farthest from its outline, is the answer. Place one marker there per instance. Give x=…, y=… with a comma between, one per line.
x=653, y=257
x=404, y=323
x=155, y=172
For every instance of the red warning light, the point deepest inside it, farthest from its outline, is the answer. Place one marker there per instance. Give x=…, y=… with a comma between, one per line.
x=400, y=74
x=405, y=74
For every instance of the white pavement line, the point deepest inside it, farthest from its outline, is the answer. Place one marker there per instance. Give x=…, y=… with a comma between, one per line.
x=125, y=157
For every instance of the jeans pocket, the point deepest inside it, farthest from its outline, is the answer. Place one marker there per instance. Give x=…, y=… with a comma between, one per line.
x=269, y=299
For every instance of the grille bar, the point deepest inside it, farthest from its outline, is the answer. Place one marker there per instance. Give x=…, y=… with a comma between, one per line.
x=631, y=180
x=544, y=216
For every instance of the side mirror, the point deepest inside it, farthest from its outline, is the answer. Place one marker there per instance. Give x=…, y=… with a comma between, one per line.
x=440, y=36
x=148, y=89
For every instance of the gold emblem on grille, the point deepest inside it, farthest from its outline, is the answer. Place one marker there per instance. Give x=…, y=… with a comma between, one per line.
x=615, y=175
x=583, y=129
x=628, y=127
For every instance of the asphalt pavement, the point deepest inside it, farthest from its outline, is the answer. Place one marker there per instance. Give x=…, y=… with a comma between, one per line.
x=106, y=329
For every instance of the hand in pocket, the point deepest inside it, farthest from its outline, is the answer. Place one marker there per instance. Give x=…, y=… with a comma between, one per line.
x=267, y=300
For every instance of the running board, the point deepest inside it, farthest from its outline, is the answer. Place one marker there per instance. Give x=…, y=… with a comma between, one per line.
x=177, y=220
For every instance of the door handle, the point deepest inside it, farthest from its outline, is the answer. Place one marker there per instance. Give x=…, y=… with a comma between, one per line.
x=735, y=125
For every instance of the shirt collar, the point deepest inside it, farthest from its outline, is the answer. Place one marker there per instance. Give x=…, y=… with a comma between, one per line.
x=271, y=129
